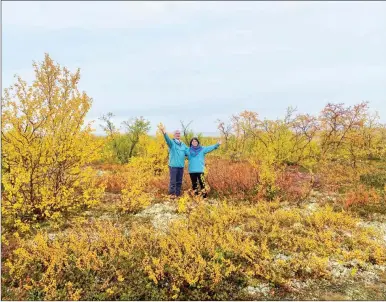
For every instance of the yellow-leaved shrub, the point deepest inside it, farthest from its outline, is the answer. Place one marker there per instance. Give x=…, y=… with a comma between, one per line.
x=87, y=262
x=45, y=148
x=212, y=254
x=151, y=165
x=216, y=246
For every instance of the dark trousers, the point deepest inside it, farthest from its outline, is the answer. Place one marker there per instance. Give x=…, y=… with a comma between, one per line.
x=175, y=182
x=198, y=179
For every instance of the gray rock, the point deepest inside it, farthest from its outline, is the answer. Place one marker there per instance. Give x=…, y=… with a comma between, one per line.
x=298, y=284
x=312, y=207
x=369, y=277
x=52, y=236
x=381, y=268
x=161, y=215
x=282, y=257
x=379, y=226
x=100, y=173
x=337, y=269
x=262, y=288
x=157, y=208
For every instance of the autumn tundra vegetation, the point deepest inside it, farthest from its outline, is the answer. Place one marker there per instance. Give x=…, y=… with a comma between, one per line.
x=295, y=208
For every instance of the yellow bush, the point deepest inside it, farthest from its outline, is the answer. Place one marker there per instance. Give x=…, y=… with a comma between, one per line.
x=46, y=146
x=134, y=199
x=203, y=256
x=154, y=154
x=186, y=202
x=217, y=245
x=142, y=170
x=88, y=262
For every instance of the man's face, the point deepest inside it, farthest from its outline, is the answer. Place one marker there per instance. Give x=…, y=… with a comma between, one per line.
x=177, y=134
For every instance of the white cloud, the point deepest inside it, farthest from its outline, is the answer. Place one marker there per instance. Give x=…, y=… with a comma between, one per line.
x=285, y=51
x=132, y=14
x=80, y=14
x=108, y=14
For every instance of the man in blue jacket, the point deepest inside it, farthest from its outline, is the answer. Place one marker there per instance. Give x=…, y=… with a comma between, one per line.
x=177, y=150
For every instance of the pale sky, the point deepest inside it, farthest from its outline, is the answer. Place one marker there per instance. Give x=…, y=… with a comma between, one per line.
x=200, y=61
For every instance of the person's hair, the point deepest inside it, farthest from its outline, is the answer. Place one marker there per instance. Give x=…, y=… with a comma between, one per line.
x=194, y=139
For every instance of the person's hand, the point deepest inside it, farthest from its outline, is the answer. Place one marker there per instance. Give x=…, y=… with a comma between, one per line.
x=161, y=127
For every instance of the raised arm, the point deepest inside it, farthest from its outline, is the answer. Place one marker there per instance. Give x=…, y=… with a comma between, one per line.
x=168, y=140
x=211, y=148
x=166, y=136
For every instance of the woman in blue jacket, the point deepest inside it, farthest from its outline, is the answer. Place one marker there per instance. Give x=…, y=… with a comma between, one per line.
x=196, y=156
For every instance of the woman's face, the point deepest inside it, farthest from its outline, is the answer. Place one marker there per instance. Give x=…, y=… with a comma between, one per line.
x=194, y=143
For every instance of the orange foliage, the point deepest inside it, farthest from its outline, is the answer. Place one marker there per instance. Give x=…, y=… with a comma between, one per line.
x=229, y=178
x=240, y=180
x=225, y=178
x=114, y=182
x=114, y=177
x=361, y=195
x=294, y=185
